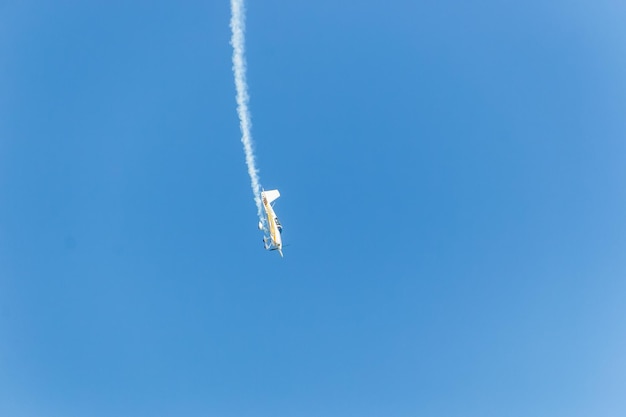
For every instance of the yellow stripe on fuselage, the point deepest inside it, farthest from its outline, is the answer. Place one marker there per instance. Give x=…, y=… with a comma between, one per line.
x=271, y=220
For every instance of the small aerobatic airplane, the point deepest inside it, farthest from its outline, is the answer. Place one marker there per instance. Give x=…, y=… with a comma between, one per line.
x=271, y=238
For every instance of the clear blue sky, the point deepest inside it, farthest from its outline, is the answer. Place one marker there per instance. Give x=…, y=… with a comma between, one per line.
x=453, y=184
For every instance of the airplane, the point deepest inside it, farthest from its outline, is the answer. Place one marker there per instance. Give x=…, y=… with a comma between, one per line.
x=271, y=239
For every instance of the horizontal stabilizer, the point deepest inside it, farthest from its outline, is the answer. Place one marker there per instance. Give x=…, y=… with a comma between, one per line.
x=270, y=195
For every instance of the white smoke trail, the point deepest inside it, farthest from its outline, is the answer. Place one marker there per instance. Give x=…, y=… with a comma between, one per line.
x=238, y=27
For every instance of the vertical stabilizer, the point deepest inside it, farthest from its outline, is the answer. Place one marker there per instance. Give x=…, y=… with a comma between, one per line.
x=270, y=195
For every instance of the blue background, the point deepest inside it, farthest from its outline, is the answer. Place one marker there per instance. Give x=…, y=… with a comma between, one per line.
x=453, y=193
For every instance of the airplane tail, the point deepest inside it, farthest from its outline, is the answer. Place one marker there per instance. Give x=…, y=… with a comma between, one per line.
x=270, y=195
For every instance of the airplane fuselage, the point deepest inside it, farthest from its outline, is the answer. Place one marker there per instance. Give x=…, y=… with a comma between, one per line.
x=273, y=224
